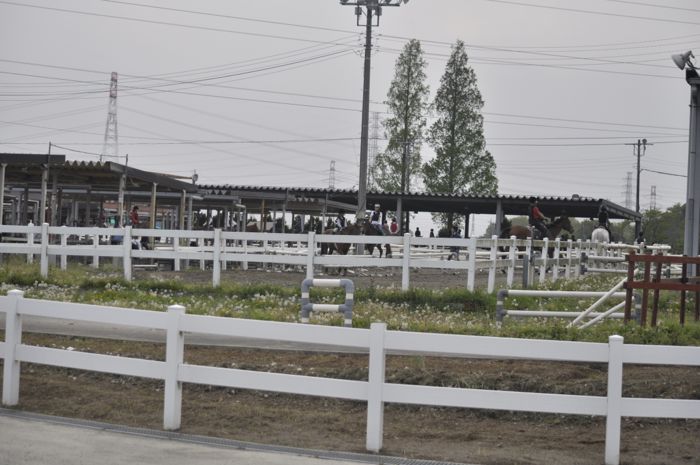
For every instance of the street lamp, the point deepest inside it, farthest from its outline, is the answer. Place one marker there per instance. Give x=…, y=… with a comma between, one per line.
x=368, y=8
x=692, y=206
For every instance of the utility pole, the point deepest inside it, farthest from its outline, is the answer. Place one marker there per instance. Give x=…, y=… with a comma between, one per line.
x=370, y=8
x=641, y=148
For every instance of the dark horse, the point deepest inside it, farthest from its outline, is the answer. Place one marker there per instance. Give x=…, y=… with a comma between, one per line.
x=369, y=230
x=355, y=229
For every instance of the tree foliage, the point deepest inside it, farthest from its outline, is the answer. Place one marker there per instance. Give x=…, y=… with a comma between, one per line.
x=398, y=167
x=462, y=165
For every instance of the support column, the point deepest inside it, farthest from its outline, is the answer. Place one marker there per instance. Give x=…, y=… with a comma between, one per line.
x=183, y=206
x=42, y=203
x=154, y=209
x=499, y=218
x=2, y=191
x=120, y=201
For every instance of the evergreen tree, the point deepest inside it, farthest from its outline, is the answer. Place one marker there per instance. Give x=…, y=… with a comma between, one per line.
x=462, y=165
x=398, y=167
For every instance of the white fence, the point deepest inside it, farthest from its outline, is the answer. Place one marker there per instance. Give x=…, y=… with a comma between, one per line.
x=375, y=392
x=221, y=249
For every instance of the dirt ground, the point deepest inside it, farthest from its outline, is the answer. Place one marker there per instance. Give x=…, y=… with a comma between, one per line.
x=446, y=434
x=363, y=278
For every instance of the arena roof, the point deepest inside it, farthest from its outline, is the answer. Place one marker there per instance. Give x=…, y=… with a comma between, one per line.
x=574, y=206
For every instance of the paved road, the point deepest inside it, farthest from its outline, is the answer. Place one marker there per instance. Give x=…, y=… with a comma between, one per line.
x=29, y=439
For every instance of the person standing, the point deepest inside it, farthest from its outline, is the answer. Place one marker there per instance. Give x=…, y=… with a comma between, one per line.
x=134, y=217
x=417, y=233
x=394, y=227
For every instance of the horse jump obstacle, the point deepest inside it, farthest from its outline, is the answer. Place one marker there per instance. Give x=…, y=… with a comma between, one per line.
x=345, y=308
x=501, y=313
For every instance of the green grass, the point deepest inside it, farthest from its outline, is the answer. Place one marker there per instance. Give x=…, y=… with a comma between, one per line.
x=454, y=311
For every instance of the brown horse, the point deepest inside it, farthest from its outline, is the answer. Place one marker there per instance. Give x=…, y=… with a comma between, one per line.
x=553, y=229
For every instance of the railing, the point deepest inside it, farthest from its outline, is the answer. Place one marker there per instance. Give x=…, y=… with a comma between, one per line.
x=221, y=248
x=375, y=391
x=683, y=284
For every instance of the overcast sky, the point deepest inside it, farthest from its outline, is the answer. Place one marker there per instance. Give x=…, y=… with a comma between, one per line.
x=269, y=92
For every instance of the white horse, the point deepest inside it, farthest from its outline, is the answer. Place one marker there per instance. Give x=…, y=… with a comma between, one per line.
x=600, y=234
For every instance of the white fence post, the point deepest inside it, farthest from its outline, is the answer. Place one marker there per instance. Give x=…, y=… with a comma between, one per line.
x=43, y=255
x=64, y=243
x=406, y=262
x=569, y=252
x=13, y=337
x=613, y=416
x=174, y=355
x=310, y=251
x=492, y=265
x=126, y=243
x=96, y=253
x=176, y=249
x=200, y=244
x=377, y=372
x=512, y=252
x=544, y=257
x=216, y=265
x=30, y=241
x=555, y=265
x=471, y=269
x=579, y=252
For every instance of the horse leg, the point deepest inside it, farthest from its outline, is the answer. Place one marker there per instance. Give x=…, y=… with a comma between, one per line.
x=388, y=251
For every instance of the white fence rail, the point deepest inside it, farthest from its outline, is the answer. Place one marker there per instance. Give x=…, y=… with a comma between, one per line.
x=221, y=249
x=376, y=391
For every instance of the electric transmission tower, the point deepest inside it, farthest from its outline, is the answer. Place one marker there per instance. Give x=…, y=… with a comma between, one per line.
x=110, y=148
x=331, y=176
x=628, y=190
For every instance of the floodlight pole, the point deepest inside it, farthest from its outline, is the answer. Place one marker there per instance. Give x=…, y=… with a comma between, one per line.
x=371, y=8
x=691, y=237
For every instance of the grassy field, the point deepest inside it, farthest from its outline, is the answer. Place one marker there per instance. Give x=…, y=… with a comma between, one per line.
x=454, y=311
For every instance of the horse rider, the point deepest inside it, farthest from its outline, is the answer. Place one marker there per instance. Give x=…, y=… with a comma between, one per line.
x=604, y=219
x=536, y=218
x=340, y=222
x=375, y=219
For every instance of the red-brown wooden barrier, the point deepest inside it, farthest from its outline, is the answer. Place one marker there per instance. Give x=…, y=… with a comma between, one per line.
x=684, y=284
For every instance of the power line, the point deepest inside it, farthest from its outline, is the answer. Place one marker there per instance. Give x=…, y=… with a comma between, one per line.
x=161, y=23
x=601, y=13
x=655, y=5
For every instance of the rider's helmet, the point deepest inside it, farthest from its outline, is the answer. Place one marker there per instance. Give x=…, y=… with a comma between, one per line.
x=533, y=200
x=604, y=208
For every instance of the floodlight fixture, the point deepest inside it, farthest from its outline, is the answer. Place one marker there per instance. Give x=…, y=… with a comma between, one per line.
x=683, y=59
